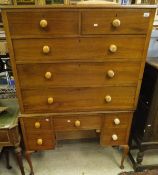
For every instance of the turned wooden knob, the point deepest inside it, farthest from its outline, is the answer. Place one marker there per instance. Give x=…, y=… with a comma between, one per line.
x=113, y=48
x=37, y=125
x=43, y=23
x=46, y=49
x=48, y=75
x=117, y=121
x=116, y=23
x=77, y=123
x=97, y=130
x=111, y=73
x=108, y=98
x=39, y=141
x=114, y=137
x=50, y=100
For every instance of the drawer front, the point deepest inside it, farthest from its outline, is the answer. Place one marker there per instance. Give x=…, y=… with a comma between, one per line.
x=43, y=22
x=71, y=74
x=77, y=122
x=91, y=49
x=117, y=120
x=111, y=136
x=116, y=21
x=4, y=137
x=40, y=140
x=115, y=129
x=37, y=123
x=78, y=99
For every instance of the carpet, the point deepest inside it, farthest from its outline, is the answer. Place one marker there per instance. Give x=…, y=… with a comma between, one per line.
x=148, y=172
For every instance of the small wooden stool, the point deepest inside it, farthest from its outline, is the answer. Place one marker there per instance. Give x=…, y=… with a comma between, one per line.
x=9, y=131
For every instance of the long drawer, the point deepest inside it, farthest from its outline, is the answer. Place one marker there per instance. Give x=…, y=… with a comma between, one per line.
x=116, y=21
x=77, y=74
x=90, y=49
x=43, y=22
x=78, y=99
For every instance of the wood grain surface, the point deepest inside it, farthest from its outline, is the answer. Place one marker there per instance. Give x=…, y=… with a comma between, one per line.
x=28, y=23
x=87, y=48
x=78, y=99
x=77, y=74
x=132, y=21
x=76, y=42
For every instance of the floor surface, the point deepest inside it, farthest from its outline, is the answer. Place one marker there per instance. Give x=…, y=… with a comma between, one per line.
x=75, y=158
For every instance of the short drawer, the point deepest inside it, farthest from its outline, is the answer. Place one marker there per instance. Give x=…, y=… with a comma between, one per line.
x=36, y=123
x=43, y=22
x=111, y=136
x=122, y=21
x=71, y=74
x=89, y=48
x=77, y=122
x=78, y=99
x=4, y=137
x=40, y=140
x=118, y=120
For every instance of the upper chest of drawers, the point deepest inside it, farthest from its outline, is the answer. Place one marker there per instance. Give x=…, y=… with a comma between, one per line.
x=78, y=59
x=50, y=22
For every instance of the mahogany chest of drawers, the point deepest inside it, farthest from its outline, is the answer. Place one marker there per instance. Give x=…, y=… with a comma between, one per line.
x=78, y=70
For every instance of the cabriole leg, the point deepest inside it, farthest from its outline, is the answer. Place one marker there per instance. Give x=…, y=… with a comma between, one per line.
x=124, y=154
x=28, y=158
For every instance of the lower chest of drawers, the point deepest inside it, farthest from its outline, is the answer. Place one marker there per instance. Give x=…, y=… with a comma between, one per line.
x=42, y=132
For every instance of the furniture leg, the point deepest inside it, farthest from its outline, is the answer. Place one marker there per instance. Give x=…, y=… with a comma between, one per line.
x=19, y=160
x=28, y=158
x=6, y=153
x=140, y=156
x=124, y=154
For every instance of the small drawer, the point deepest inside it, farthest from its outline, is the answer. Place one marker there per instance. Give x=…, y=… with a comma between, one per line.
x=118, y=120
x=38, y=22
x=40, y=140
x=122, y=21
x=4, y=137
x=111, y=136
x=36, y=123
x=77, y=123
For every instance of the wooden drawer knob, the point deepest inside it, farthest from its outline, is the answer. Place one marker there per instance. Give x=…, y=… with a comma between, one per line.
x=43, y=23
x=97, y=130
x=116, y=23
x=111, y=73
x=46, y=49
x=108, y=98
x=113, y=48
x=39, y=141
x=50, y=100
x=37, y=125
x=48, y=75
x=77, y=123
x=117, y=121
x=114, y=137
